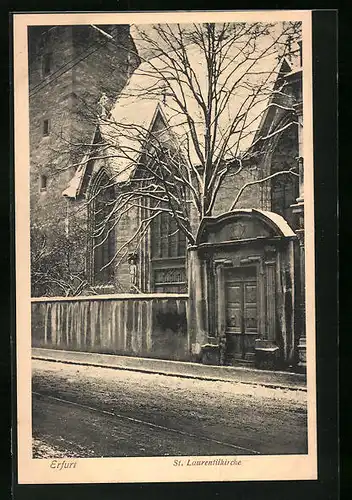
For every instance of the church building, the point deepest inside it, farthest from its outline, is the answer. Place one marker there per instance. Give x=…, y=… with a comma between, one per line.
x=235, y=293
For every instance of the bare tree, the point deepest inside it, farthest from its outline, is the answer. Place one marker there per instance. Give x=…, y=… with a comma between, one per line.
x=56, y=269
x=208, y=87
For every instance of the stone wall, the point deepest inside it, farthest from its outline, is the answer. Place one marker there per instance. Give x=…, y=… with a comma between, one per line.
x=143, y=325
x=229, y=189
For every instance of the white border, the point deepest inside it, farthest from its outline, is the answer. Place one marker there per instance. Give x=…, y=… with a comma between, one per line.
x=158, y=469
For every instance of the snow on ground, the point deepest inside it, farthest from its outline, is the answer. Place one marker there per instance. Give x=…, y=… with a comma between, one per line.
x=113, y=412
x=65, y=448
x=43, y=450
x=170, y=383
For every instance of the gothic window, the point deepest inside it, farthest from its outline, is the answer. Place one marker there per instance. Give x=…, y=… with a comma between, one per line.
x=285, y=188
x=284, y=194
x=103, y=231
x=168, y=255
x=168, y=240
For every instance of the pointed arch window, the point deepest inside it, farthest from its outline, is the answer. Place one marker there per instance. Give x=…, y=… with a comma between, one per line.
x=168, y=241
x=168, y=255
x=285, y=188
x=103, y=231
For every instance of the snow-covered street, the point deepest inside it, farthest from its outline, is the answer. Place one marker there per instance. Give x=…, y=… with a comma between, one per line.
x=86, y=411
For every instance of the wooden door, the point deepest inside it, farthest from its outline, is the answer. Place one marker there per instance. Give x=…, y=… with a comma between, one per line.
x=241, y=313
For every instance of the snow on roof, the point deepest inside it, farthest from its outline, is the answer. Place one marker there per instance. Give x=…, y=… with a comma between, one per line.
x=274, y=219
x=279, y=222
x=147, y=93
x=145, y=50
x=75, y=183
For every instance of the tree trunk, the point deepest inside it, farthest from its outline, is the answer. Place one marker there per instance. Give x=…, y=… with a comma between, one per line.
x=197, y=330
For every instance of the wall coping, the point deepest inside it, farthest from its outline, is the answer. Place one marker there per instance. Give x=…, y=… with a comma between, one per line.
x=119, y=296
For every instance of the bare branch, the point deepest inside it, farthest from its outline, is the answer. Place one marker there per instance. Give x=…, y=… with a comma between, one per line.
x=260, y=181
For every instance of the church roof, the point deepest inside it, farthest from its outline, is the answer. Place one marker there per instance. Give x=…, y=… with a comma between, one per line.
x=75, y=183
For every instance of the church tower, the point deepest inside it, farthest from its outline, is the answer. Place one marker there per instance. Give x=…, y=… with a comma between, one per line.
x=70, y=68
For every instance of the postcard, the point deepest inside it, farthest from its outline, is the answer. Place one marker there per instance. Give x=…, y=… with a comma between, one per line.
x=164, y=214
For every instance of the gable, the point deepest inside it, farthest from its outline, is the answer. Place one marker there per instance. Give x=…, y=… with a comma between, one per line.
x=246, y=224
x=287, y=92
x=160, y=136
x=243, y=228
x=160, y=129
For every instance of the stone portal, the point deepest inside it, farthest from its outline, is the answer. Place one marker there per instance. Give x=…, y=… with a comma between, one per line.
x=248, y=261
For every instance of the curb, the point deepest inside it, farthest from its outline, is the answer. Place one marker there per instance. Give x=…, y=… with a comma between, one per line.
x=160, y=371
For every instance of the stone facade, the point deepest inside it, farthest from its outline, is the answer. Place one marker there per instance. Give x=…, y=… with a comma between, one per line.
x=257, y=196
x=276, y=260
x=247, y=257
x=69, y=69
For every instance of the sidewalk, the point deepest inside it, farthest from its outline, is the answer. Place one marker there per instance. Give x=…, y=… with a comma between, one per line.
x=274, y=379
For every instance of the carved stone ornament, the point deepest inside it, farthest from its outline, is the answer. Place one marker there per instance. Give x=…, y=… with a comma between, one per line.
x=103, y=106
